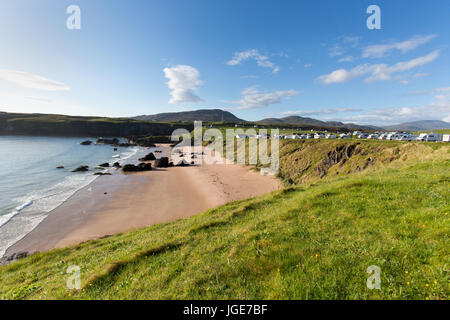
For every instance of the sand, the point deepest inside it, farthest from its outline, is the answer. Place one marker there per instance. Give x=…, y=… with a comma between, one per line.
x=142, y=199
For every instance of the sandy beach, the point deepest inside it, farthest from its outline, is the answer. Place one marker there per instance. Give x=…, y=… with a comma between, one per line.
x=123, y=202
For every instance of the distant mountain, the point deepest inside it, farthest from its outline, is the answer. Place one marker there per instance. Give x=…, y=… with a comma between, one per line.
x=207, y=115
x=304, y=121
x=420, y=125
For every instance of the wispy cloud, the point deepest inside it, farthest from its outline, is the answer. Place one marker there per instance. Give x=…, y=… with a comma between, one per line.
x=261, y=60
x=183, y=81
x=32, y=81
x=326, y=111
x=346, y=59
x=380, y=50
x=252, y=98
x=438, y=109
x=377, y=71
x=427, y=92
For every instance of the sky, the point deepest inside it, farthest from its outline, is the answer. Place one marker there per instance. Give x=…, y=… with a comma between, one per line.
x=256, y=59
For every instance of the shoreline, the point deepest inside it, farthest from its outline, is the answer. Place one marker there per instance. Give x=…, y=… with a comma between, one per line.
x=124, y=202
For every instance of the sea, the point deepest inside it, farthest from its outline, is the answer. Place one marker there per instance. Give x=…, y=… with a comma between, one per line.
x=31, y=186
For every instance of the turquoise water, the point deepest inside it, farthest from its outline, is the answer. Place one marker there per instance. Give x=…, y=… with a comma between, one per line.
x=30, y=184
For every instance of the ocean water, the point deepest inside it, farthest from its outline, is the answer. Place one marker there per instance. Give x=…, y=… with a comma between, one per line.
x=30, y=184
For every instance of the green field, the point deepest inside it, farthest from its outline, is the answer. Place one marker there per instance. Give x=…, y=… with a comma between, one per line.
x=313, y=240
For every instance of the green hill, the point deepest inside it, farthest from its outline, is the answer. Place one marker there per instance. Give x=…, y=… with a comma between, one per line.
x=314, y=240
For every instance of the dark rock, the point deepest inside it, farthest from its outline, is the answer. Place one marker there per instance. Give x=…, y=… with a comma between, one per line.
x=81, y=169
x=162, y=162
x=139, y=167
x=117, y=165
x=115, y=149
x=104, y=165
x=15, y=256
x=86, y=143
x=149, y=157
x=145, y=166
x=60, y=167
x=102, y=174
x=113, y=141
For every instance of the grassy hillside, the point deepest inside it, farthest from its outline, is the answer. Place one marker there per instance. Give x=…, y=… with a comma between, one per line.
x=310, y=241
x=62, y=125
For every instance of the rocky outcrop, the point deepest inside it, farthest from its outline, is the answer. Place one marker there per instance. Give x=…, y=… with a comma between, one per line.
x=104, y=165
x=149, y=157
x=162, y=163
x=340, y=153
x=137, y=168
x=86, y=143
x=102, y=174
x=113, y=141
x=60, y=167
x=81, y=169
x=117, y=165
x=14, y=257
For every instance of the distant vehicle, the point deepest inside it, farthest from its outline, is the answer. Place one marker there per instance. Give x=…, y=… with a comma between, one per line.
x=446, y=138
x=363, y=136
x=319, y=135
x=429, y=137
x=344, y=136
x=330, y=136
x=372, y=136
x=357, y=133
x=408, y=138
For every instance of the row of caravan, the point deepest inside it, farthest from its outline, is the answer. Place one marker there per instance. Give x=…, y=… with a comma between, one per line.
x=399, y=136
x=405, y=136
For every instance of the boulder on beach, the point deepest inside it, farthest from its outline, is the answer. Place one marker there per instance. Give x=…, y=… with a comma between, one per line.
x=117, y=165
x=60, y=167
x=162, y=162
x=86, y=143
x=81, y=169
x=137, y=168
x=104, y=165
x=149, y=157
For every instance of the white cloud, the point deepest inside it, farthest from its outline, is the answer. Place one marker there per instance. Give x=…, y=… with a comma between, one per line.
x=32, y=81
x=252, y=98
x=183, y=81
x=439, y=109
x=261, y=60
x=383, y=72
x=307, y=65
x=336, y=50
x=354, y=41
x=346, y=59
x=319, y=111
x=377, y=71
x=427, y=92
x=380, y=50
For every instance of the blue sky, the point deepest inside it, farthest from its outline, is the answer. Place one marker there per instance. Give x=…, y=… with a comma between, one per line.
x=254, y=58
